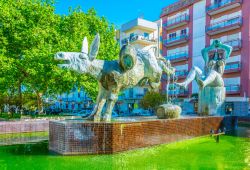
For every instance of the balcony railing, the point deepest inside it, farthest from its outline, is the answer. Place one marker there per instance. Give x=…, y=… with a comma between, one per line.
x=181, y=74
x=233, y=89
x=223, y=6
x=236, y=44
x=179, y=92
x=138, y=37
x=225, y=25
x=176, y=40
x=232, y=67
x=176, y=22
x=181, y=56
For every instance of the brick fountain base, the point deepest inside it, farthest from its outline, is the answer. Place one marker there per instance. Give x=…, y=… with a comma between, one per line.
x=74, y=137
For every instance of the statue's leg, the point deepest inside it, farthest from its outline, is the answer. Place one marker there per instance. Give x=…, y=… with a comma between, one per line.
x=100, y=101
x=209, y=79
x=194, y=73
x=97, y=115
x=110, y=105
x=154, y=86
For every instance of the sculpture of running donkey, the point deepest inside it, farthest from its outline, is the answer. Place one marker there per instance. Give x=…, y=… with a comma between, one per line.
x=134, y=68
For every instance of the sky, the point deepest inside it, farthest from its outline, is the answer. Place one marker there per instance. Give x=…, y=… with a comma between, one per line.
x=117, y=12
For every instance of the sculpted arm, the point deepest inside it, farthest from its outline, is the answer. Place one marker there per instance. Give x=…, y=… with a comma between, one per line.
x=166, y=67
x=228, y=50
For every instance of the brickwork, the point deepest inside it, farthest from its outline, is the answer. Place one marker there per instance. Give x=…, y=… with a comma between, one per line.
x=70, y=138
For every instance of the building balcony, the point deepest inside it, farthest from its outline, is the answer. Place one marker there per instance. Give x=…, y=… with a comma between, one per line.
x=233, y=89
x=179, y=92
x=141, y=39
x=180, y=74
x=236, y=44
x=176, y=22
x=222, y=6
x=232, y=67
x=176, y=40
x=181, y=56
x=224, y=26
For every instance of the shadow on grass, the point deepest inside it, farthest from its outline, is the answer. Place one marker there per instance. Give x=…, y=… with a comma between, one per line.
x=28, y=149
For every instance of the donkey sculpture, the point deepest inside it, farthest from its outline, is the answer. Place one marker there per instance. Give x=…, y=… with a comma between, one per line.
x=134, y=68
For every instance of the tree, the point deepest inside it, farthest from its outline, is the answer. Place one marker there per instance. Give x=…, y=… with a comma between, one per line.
x=31, y=33
x=152, y=100
x=75, y=27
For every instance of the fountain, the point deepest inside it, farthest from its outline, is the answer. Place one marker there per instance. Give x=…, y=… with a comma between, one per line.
x=98, y=134
x=169, y=110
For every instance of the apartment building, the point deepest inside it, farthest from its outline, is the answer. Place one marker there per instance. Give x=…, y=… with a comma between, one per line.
x=191, y=25
x=139, y=33
x=75, y=100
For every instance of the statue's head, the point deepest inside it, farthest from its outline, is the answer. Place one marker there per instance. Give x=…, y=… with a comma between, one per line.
x=80, y=61
x=216, y=43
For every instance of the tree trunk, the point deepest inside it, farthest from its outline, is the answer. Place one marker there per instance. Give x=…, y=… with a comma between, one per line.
x=20, y=95
x=39, y=103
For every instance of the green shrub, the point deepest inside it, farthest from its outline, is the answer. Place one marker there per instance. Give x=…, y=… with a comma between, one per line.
x=152, y=100
x=7, y=116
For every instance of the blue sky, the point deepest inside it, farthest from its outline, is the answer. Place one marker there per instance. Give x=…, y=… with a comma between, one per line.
x=117, y=11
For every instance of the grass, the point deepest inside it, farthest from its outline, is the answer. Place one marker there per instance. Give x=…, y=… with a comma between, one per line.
x=198, y=153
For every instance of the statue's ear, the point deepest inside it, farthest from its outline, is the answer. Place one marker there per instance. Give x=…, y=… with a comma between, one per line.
x=85, y=46
x=94, y=47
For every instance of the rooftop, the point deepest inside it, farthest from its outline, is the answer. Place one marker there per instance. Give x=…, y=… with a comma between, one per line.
x=139, y=23
x=177, y=6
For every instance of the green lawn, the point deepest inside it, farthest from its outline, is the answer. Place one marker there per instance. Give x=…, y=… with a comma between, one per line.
x=199, y=153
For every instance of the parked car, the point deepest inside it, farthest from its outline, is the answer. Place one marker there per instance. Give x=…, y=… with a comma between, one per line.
x=114, y=114
x=141, y=112
x=83, y=113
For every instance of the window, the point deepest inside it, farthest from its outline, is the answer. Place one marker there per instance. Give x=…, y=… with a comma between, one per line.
x=131, y=93
x=172, y=35
x=146, y=35
x=184, y=32
x=217, y=1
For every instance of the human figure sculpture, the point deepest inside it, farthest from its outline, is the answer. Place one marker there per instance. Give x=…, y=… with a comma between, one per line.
x=211, y=85
x=134, y=68
x=214, y=67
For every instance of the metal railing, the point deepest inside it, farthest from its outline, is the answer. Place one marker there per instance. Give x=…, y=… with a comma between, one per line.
x=176, y=20
x=225, y=23
x=178, y=92
x=176, y=56
x=232, y=66
x=234, y=43
x=137, y=37
x=181, y=37
x=181, y=73
x=232, y=88
x=221, y=4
